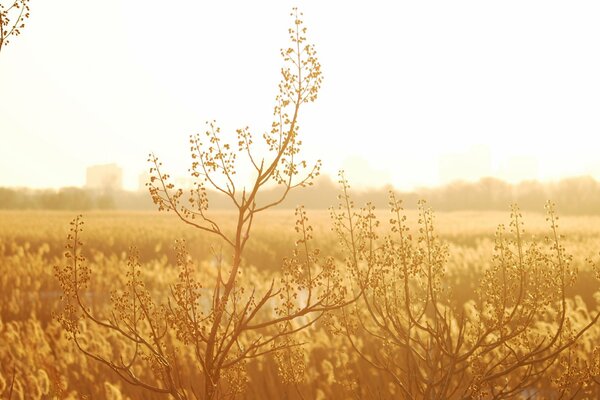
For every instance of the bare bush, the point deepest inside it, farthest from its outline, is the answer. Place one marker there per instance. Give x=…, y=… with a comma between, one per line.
x=407, y=323
x=226, y=321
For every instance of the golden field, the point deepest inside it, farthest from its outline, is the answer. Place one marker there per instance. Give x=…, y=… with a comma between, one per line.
x=37, y=361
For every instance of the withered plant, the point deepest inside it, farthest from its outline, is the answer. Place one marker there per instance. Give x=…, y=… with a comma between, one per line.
x=223, y=322
x=13, y=14
x=500, y=345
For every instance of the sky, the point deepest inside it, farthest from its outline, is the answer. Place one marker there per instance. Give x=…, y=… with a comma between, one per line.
x=415, y=93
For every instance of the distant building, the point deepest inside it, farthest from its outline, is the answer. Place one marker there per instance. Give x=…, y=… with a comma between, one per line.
x=104, y=177
x=471, y=165
x=363, y=174
x=519, y=168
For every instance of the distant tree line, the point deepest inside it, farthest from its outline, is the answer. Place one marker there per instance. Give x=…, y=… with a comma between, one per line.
x=580, y=195
x=71, y=198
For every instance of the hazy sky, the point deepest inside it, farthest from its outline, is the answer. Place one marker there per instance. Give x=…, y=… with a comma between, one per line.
x=409, y=86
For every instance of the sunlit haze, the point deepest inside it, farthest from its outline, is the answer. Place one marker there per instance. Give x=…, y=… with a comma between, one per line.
x=414, y=94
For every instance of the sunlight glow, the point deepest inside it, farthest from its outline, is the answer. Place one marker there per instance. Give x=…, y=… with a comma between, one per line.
x=408, y=87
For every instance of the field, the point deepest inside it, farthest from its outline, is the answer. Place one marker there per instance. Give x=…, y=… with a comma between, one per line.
x=37, y=360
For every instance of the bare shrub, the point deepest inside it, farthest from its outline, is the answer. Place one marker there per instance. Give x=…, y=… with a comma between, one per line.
x=507, y=342
x=220, y=320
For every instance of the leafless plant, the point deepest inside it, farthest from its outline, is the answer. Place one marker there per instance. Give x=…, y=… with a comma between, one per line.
x=13, y=14
x=407, y=324
x=236, y=322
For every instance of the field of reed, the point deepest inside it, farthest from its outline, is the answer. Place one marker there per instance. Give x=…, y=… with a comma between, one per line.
x=38, y=361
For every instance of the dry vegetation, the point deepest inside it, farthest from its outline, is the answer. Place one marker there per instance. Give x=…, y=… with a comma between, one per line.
x=35, y=350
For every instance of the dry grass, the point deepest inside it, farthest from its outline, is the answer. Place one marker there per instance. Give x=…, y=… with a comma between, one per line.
x=32, y=242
